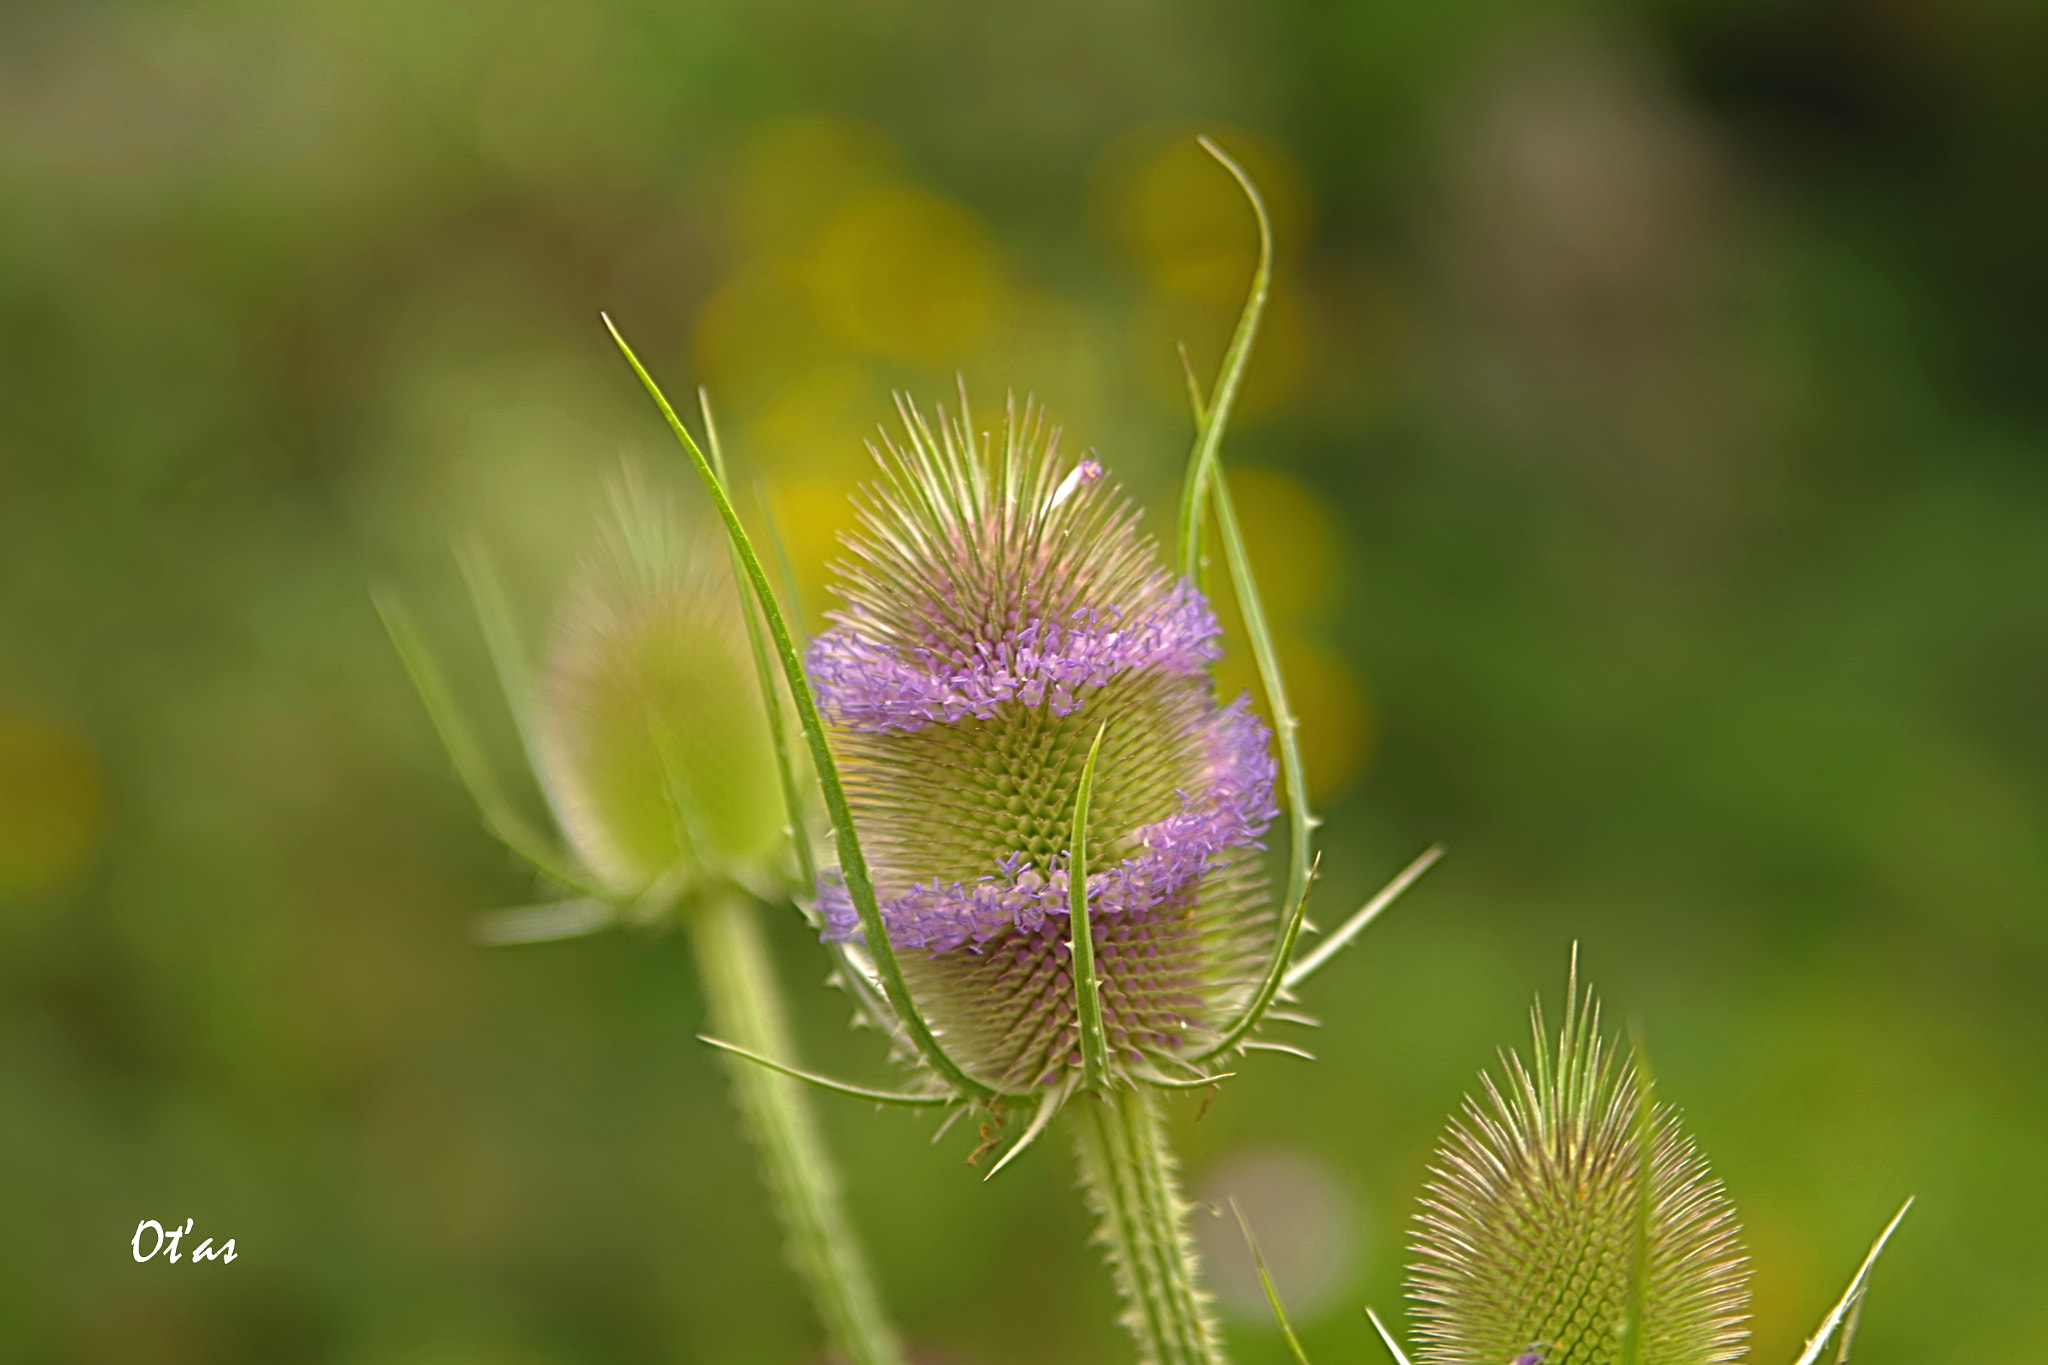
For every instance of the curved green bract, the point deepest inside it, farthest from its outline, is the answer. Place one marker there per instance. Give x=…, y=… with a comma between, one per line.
x=1213, y=416
x=1087, y=984
x=764, y=677
x=852, y=865
x=1203, y=481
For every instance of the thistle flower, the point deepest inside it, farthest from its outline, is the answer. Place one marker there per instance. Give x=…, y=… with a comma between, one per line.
x=1569, y=1220
x=1001, y=611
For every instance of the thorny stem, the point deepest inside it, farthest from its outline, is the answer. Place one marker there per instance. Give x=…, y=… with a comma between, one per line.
x=1133, y=1185
x=739, y=985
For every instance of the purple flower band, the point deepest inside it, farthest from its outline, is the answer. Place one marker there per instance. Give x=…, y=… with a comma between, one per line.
x=1232, y=813
x=871, y=688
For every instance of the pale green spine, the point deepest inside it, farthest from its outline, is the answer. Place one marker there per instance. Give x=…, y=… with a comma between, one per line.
x=1133, y=1186
x=739, y=986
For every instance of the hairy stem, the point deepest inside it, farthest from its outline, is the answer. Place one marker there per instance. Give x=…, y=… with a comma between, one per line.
x=745, y=1007
x=1133, y=1186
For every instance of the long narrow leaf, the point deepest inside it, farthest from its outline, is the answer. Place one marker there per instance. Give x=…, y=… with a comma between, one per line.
x=1203, y=482
x=548, y=923
x=1854, y=1292
x=859, y=1092
x=1286, y=727
x=463, y=751
x=764, y=674
x=1849, y=1326
x=501, y=638
x=1196, y=399
x=852, y=864
x=1087, y=985
x=1049, y=1104
x=856, y=973
x=1393, y=1346
x=1190, y=1082
x=1212, y=418
x=1266, y=1282
x=1356, y=925
x=1276, y=972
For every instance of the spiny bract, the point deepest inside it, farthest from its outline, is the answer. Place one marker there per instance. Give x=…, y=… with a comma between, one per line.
x=1568, y=1212
x=999, y=610
x=652, y=745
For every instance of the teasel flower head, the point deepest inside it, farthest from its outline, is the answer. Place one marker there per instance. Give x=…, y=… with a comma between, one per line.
x=1569, y=1220
x=643, y=724
x=1002, y=616
x=650, y=739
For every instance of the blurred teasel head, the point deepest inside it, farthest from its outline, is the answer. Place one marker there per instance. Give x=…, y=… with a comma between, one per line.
x=649, y=734
x=643, y=725
x=1002, y=614
x=1569, y=1220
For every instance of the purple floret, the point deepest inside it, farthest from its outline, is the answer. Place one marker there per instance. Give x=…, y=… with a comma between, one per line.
x=872, y=688
x=1231, y=813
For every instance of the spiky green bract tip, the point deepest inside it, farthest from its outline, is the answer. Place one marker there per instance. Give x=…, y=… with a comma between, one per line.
x=1569, y=1220
x=1003, y=615
x=651, y=740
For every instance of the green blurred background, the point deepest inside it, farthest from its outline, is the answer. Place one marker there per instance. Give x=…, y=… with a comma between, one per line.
x=1647, y=452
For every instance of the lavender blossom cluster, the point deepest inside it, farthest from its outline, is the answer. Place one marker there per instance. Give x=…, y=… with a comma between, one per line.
x=1002, y=612
x=1232, y=813
x=866, y=685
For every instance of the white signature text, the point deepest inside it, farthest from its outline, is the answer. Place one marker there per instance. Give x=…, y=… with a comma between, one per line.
x=205, y=1251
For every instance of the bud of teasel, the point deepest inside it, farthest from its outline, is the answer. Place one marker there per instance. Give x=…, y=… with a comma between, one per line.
x=1568, y=1216
x=648, y=736
x=1569, y=1219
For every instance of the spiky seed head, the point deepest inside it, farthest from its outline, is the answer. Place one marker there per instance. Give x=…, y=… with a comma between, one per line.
x=1568, y=1212
x=1001, y=606
x=652, y=744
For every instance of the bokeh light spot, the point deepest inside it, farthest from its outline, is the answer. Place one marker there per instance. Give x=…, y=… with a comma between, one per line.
x=52, y=805
x=1306, y=1221
x=905, y=275
x=1292, y=541
x=815, y=422
x=1279, y=361
x=1328, y=699
x=1296, y=553
x=795, y=174
x=811, y=514
x=1183, y=220
x=757, y=331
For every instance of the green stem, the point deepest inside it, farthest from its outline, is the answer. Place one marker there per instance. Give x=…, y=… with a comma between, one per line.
x=739, y=985
x=1133, y=1186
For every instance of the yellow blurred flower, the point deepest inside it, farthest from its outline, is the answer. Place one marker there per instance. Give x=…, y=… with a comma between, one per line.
x=52, y=804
